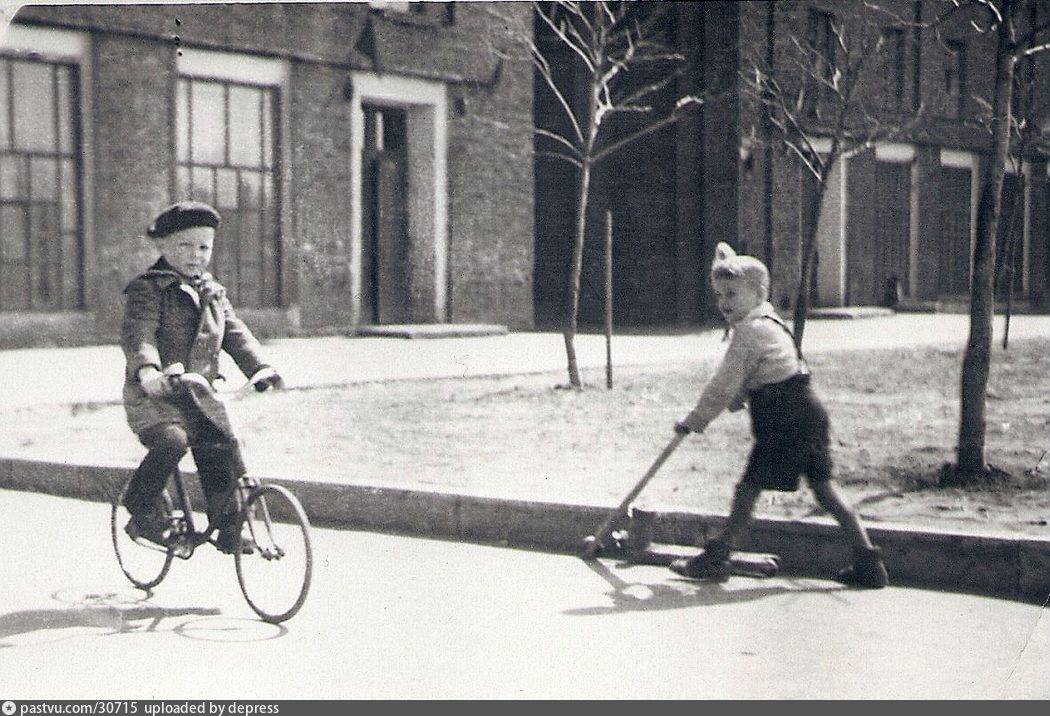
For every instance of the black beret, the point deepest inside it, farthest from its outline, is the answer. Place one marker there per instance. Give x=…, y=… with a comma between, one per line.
x=183, y=215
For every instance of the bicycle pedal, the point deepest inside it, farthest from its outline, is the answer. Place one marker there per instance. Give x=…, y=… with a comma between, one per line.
x=271, y=553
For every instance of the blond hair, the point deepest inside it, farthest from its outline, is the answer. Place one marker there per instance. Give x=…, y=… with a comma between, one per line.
x=730, y=265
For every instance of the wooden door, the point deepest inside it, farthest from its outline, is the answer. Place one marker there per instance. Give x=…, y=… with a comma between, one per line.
x=384, y=255
x=954, y=278
x=891, y=261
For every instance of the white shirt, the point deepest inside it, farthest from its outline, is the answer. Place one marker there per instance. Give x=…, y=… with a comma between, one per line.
x=760, y=352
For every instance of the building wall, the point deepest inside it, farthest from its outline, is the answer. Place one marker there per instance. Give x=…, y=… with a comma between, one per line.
x=131, y=158
x=319, y=274
x=491, y=167
x=769, y=182
x=731, y=179
x=488, y=218
x=659, y=189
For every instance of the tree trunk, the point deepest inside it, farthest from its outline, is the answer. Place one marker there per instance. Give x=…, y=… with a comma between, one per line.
x=809, y=243
x=970, y=458
x=575, y=270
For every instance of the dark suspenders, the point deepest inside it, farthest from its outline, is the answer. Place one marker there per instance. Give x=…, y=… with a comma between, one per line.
x=798, y=351
x=776, y=319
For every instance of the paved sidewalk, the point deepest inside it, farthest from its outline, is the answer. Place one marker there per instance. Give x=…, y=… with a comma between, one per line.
x=395, y=617
x=987, y=564
x=95, y=373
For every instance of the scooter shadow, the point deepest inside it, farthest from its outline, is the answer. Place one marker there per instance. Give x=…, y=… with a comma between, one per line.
x=680, y=593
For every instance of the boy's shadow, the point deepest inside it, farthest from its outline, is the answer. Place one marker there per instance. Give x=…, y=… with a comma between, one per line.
x=680, y=593
x=112, y=612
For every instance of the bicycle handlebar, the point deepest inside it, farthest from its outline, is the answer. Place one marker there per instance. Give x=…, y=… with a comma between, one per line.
x=176, y=373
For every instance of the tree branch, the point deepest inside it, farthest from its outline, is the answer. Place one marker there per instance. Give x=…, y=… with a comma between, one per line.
x=559, y=139
x=540, y=62
x=559, y=30
x=1035, y=50
x=684, y=104
x=555, y=155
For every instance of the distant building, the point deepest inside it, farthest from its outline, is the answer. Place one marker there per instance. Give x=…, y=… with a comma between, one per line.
x=898, y=221
x=371, y=161
x=374, y=164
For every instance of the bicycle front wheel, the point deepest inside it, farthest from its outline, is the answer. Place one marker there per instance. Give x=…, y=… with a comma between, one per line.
x=144, y=564
x=275, y=577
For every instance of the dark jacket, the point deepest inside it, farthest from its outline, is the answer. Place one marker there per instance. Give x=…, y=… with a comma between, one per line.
x=163, y=324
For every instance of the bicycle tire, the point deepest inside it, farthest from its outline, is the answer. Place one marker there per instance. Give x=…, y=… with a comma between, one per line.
x=145, y=567
x=275, y=577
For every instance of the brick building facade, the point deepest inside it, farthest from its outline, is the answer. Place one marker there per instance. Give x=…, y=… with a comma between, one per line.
x=372, y=162
x=901, y=213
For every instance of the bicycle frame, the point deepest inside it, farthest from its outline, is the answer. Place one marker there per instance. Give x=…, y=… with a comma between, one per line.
x=274, y=567
x=266, y=552
x=185, y=535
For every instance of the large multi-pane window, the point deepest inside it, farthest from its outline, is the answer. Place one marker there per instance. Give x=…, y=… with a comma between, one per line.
x=41, y=244
x=227, y=155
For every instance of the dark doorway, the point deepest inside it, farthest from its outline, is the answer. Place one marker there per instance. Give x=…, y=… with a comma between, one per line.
x=384, y=252
x=1009, y=262
x=893, y=226
x=954, y=277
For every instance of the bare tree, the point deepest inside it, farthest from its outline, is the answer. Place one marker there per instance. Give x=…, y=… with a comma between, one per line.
x=815, y=107
x=1019, y=31
x=1029, y=137
x=626, y=63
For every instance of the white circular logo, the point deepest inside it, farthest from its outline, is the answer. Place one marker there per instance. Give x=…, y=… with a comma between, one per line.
x=9, y=708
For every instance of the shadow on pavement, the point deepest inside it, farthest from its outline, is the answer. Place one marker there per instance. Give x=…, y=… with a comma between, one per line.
x=229, y=630
x=33, y=623
x=681, y=593
x=104, y=610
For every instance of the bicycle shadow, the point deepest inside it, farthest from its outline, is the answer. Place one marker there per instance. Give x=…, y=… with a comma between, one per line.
x=106, y=613
x=680, y=593
x=109, y=619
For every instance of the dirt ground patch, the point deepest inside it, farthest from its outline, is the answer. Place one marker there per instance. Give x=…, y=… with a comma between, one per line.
x=894, y=423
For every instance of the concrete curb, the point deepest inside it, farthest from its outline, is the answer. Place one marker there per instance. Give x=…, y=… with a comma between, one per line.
x=993, y=565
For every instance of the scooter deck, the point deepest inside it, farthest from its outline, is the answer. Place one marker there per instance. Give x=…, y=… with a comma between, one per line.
x=743, y=563
x=748, y=564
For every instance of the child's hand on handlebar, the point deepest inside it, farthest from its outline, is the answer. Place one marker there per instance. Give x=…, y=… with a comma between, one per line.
x=154, y=382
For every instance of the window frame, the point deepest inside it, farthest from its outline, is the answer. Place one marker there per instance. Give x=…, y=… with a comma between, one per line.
x=72, y=48
x=252, y=71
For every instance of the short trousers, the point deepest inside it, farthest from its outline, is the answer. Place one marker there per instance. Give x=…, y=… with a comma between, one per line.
x=791, y=430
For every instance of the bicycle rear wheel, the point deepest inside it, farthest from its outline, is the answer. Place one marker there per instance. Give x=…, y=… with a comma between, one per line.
x=275, y=578
x=144, y=565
